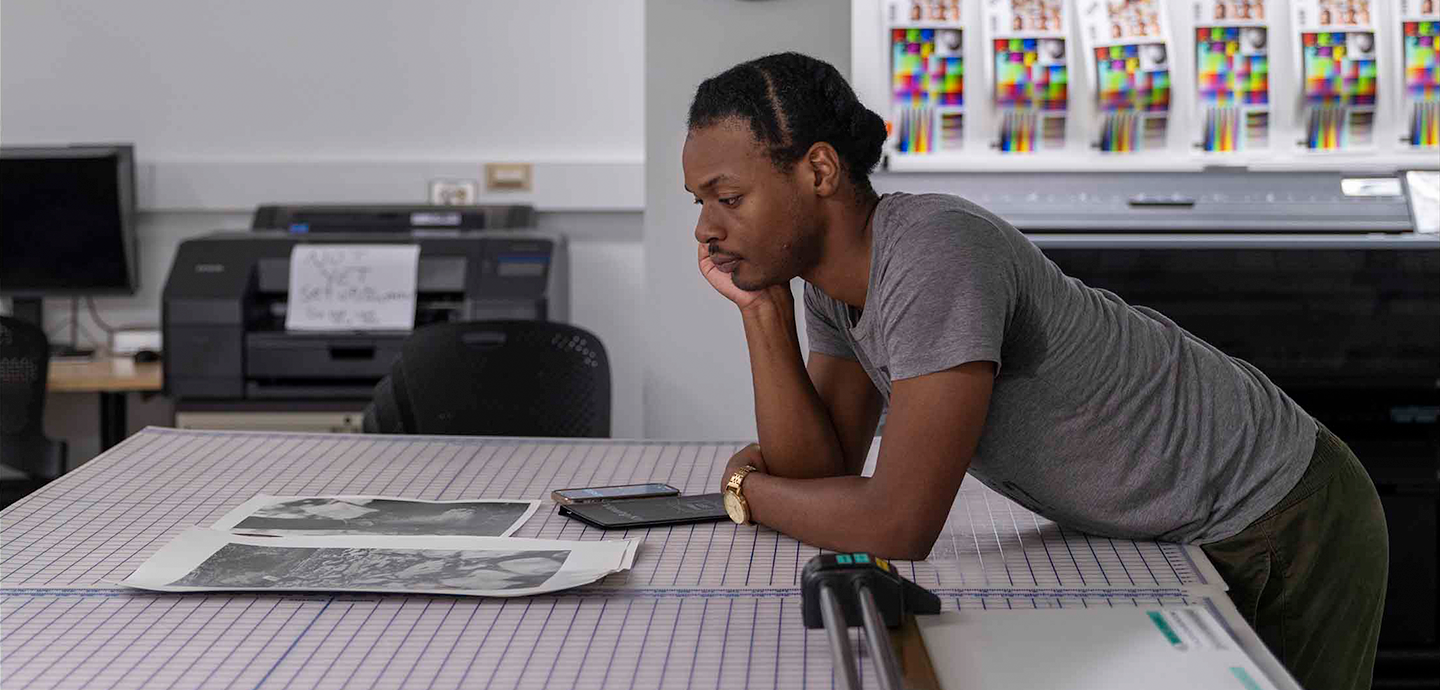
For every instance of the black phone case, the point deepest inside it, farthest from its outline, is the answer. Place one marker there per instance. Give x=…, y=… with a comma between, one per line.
x=635, y=513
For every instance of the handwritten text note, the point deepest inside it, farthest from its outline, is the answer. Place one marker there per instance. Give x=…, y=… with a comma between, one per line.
x=356, y=287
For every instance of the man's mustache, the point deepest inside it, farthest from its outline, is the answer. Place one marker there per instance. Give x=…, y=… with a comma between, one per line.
x=714, y=250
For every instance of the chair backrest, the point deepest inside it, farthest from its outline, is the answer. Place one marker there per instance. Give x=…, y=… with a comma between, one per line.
x=496, y=378
x=24, y=366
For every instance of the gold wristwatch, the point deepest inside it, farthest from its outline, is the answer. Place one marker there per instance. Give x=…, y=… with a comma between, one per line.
x=734, y=500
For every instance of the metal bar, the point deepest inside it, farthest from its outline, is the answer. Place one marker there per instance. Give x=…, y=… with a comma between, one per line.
x=839, y=635
x=112, y=418
x=887, y=669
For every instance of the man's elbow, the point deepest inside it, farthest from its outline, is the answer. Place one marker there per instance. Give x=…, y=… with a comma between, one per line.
x=902, y=538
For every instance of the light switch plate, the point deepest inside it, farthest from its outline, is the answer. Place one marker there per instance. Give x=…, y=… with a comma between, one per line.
x=508, y=176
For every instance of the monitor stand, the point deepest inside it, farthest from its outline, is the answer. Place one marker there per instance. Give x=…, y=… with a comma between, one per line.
x=68, y=352
x=32, y=309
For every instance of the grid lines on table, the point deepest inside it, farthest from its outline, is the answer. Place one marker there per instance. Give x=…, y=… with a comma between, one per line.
x=100, y=523
x=595, y=638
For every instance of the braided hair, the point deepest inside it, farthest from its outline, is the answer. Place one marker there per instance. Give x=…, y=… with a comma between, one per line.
x=791, y=101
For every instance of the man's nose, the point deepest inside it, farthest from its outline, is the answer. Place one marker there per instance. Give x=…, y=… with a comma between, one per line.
x=707, y=230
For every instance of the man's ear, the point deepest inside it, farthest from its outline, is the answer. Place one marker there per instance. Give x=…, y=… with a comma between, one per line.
x=823, y=163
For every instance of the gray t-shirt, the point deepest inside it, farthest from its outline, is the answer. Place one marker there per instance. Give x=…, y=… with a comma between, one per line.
x=1104, y=417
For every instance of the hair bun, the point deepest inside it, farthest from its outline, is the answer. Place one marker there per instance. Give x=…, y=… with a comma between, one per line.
x=867, y=131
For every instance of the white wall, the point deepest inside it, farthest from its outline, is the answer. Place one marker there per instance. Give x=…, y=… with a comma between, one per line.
x=327, y=78
x=234, y=104
x=697, y=379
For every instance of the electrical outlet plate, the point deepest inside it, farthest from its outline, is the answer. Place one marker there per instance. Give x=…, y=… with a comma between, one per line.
x=508, y=176
x=453, y=192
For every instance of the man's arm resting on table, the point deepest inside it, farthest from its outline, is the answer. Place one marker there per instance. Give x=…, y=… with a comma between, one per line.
x=815, y=419
x=934, y=425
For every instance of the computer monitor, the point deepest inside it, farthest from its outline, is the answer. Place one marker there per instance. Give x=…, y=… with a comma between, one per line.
x=67, y=221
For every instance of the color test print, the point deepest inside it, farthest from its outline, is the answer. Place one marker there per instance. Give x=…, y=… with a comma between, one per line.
x=927, y=75
x=1339, y=72
x=1232, y=75
x=1030, y=73
x=1128, y=44
x=1420, y=45
x=1133, y=79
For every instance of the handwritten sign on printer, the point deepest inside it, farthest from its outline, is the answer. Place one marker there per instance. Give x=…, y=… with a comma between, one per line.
x=352, y=287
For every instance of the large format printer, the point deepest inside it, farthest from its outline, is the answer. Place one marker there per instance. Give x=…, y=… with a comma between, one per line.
x=1328, y=283
x=228, y=355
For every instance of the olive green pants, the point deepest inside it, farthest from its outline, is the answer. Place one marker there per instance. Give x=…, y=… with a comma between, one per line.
x=1309, y=575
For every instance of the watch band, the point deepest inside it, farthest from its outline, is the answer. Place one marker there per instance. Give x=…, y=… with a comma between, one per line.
x=737, y=478
x=735, y=504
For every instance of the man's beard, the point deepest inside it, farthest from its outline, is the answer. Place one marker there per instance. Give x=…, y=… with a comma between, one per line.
x=797, y=258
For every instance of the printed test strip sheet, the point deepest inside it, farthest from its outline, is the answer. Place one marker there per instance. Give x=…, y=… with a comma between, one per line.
x=1420, y=53
x=927, y=75
x=97, y=525
x=1339, y=68
x=1128, y=51
x=1029, y=66
x=1232, y=80
x=704, y=638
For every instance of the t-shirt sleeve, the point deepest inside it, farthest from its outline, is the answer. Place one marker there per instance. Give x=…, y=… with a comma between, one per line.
x=820, y=327
x=948, y=290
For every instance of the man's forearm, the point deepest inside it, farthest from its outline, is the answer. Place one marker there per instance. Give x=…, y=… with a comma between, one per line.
x=841, y=514
x=796, y=432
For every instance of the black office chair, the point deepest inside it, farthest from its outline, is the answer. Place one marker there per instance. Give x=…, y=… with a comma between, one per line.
x=29, y=459
x=495, y=378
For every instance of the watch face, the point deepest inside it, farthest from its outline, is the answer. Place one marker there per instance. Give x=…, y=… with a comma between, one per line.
x=734, y=508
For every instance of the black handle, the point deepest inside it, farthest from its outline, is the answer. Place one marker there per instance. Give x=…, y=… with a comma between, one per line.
x=1144, y=201
x=353, y=352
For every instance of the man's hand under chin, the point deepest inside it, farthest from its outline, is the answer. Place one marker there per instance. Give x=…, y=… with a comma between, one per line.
x=725, y=285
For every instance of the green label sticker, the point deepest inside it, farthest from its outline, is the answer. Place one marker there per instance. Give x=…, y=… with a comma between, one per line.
x=1245, y=680
x=843, y=558
x=1159, y=620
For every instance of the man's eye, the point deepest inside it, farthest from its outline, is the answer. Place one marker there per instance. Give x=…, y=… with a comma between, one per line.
x=729, y=200
x=698, y=202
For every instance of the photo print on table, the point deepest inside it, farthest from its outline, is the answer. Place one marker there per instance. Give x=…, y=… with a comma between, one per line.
x=243, y=566
x=376, y=515
x=201, y=559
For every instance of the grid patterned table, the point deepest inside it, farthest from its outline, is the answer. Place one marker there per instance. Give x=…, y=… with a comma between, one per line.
x=711, y=605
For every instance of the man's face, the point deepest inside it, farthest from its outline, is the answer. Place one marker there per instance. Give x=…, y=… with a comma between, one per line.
x=760, y=224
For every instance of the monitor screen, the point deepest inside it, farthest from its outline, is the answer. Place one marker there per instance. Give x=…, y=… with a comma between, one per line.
x=67, y=220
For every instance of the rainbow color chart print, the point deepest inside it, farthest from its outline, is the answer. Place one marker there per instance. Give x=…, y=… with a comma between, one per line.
x=1339, y=73
x=1030, y=73
x=1420, y=37
x=1128, y=44
x=927, y=75
x=1232, y=75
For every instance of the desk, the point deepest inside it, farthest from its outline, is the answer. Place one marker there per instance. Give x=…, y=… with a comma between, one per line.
x=112, y=378
x=710, y=605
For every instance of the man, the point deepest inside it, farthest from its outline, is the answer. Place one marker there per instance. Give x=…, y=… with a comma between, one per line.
x=1096, y=414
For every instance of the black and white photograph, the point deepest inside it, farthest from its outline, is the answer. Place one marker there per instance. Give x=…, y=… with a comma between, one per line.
x=376, y=515
x=203, y=559
x=246, y=566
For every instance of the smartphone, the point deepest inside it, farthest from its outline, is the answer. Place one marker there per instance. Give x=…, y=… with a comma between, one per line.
x=610, y=493
x=649, y=512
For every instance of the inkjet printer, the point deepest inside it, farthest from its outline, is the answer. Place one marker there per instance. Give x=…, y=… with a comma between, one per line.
x=225, y=303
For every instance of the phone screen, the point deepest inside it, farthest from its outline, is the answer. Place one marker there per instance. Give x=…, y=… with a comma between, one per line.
x=602, y=493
